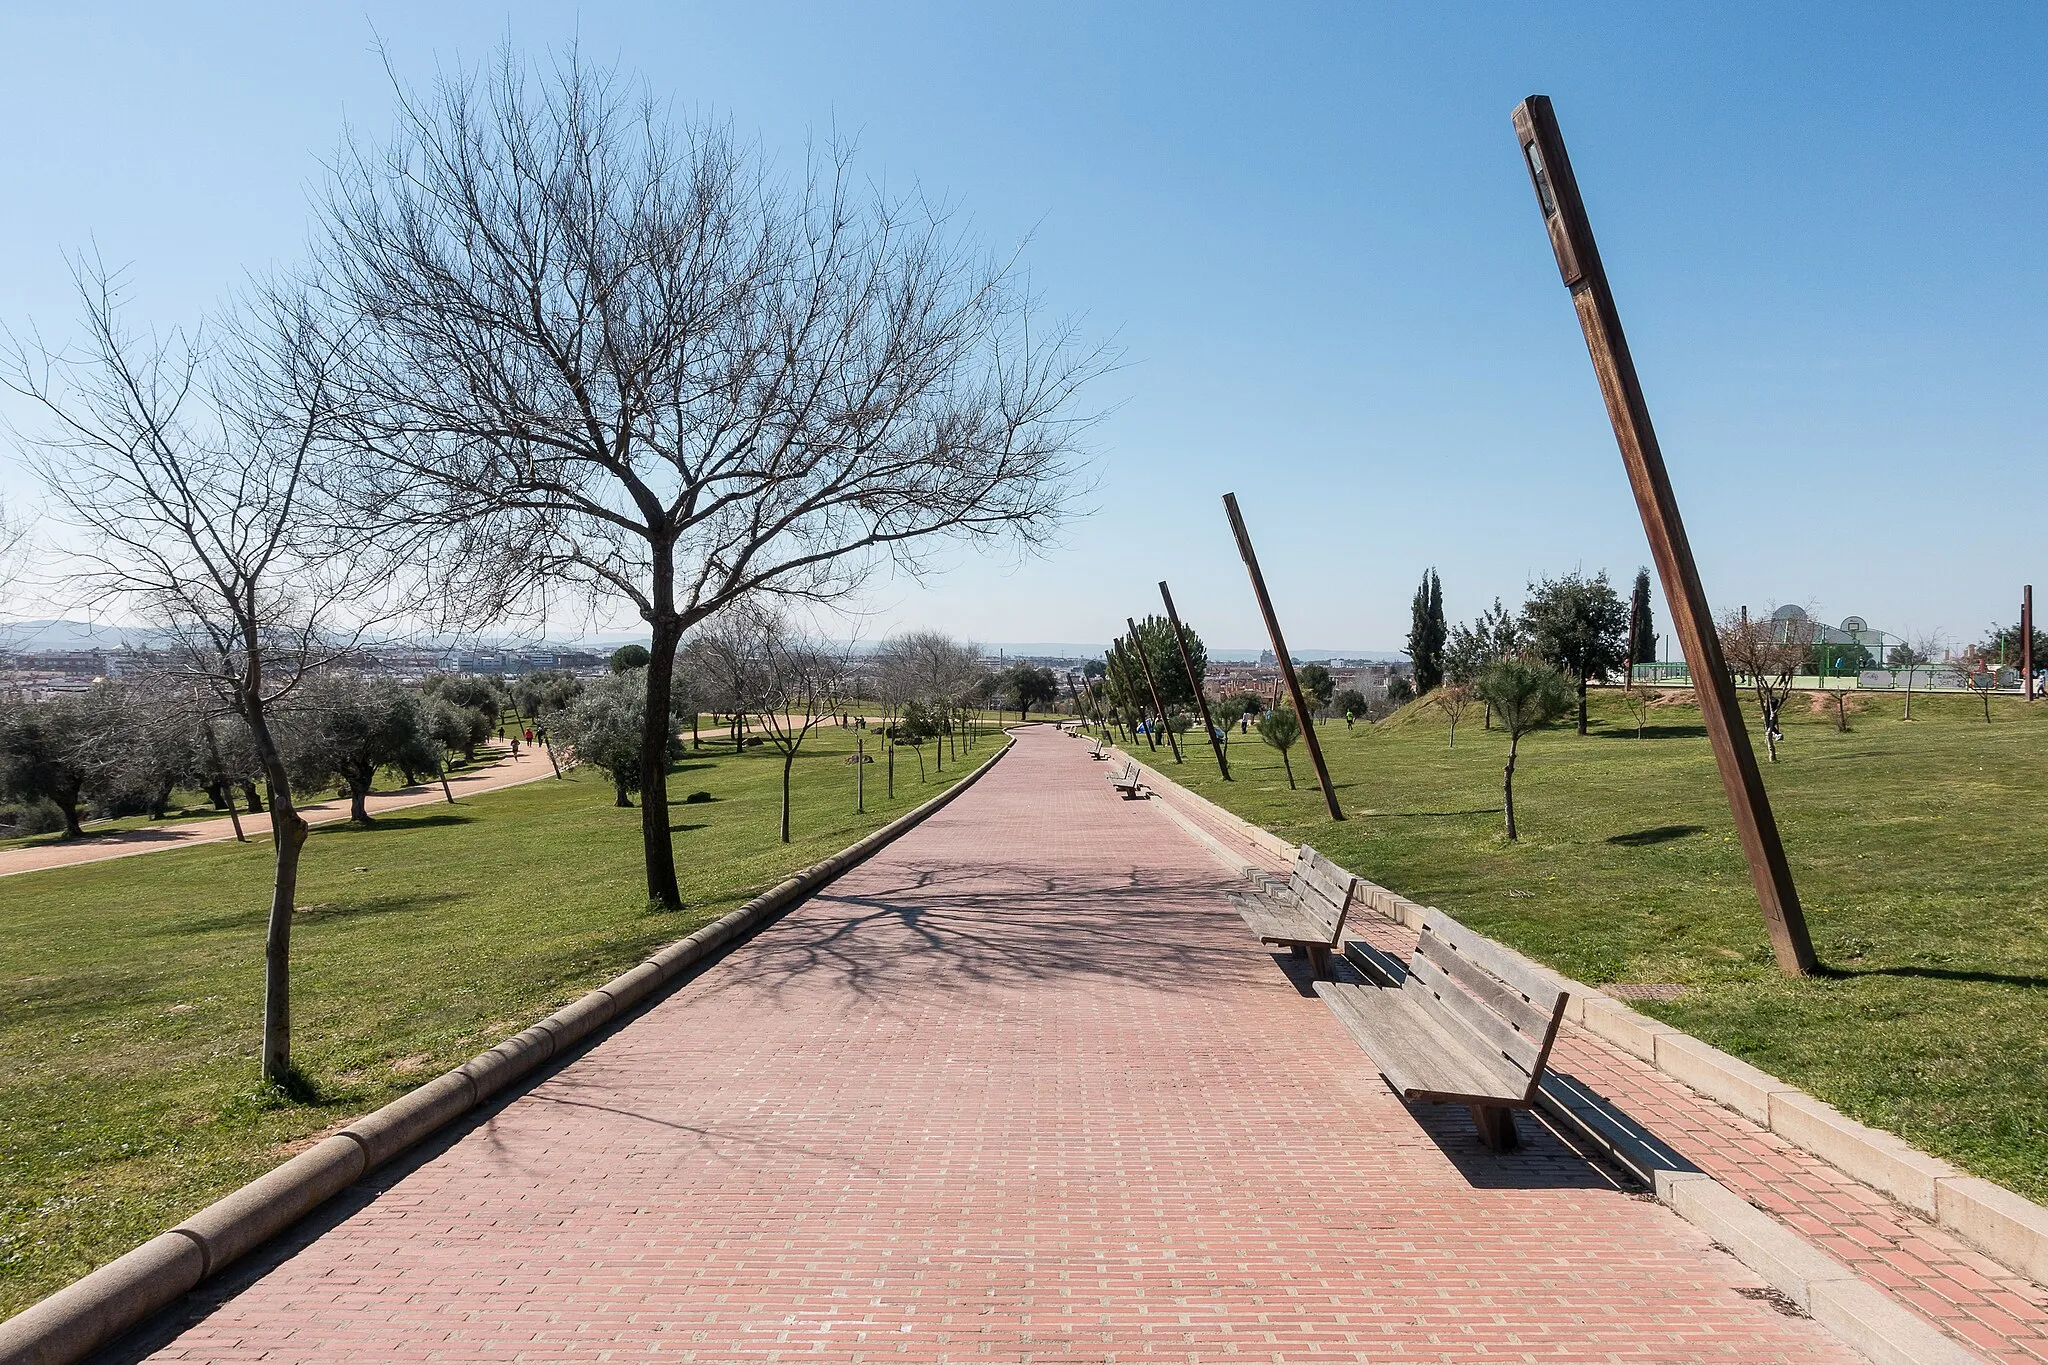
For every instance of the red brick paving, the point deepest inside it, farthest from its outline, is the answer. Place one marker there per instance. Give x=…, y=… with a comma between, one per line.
x=1021, y=1089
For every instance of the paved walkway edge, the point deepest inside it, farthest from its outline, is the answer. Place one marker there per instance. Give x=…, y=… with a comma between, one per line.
x=93, y=1310
x=2009, y=1229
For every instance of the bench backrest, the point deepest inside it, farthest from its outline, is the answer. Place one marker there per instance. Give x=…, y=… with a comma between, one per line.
x=1487, y=995
x=1322, y=889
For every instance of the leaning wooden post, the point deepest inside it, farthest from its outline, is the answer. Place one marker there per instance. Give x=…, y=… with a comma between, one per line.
x=1578, y=259
x=1152, y=686
x=1194, y=683
x=1122, y=657
x=2027, y=638
x=1301, y=711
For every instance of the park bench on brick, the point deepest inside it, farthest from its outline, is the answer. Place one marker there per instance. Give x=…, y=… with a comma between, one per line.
x=1306, y=912
x=1464, y=1022
x=1097, y=750
x=1127, y=781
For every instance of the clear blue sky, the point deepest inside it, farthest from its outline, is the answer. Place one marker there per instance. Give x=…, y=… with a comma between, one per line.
x=1310, y=231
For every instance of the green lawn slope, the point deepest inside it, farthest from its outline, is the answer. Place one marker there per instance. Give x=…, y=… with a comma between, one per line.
x=1920, y=849
x=131, y=1019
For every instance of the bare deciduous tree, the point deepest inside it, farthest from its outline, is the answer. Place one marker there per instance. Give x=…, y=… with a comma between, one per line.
x=1452, y=699
x=1914, y=656
x=189, y=463
x=1768, y=652
x=605, y=352
x=802, y=684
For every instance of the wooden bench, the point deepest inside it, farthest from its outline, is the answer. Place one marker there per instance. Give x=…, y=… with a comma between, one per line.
x=1306, y=912
x=1464, y=1022
x=1126, y=780
x=1097, y=749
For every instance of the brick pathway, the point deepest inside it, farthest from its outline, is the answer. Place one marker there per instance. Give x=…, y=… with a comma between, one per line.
x=1019, y=1089
x=1969, y=1295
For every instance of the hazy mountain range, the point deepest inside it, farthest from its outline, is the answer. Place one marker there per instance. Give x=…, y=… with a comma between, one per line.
x=53, y=636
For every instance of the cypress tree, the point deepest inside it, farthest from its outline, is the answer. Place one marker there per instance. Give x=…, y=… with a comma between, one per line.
x=1642, y=649
x=1427, y=633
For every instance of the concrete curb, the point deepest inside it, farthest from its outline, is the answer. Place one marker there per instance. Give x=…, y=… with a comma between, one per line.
x=2009, y=1229
x=91, y=1311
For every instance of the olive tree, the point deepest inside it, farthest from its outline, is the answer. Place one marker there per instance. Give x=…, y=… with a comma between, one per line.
x=1524, y=696
x=1579, y=626
x=345, y=727
x=605, y=727
x=1281, y=728
x=603, y=352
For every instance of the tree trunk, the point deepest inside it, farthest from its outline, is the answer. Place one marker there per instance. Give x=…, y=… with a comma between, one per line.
x=623, y=801
x=1582, y=703
x=72, y=828
x=444, y=785
x=656, y=848
x=358, y=792
x=1288, y=764
x=252, y=795
x=287, y=838
x=788, y=759
x=1507, y=787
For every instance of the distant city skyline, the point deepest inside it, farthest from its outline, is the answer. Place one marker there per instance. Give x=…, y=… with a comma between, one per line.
x=1311, y=234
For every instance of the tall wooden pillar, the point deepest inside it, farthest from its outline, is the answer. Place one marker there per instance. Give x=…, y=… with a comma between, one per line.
x=1301, y=711
x=2027, y=638
x=1194, y=683
x=1578, y=260
x=1152, y=686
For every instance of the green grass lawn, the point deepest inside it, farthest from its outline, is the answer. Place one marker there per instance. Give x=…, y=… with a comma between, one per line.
x=1921, y=852
x=130, y=1030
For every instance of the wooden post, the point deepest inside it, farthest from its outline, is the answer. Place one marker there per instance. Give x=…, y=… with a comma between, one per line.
x=1301, y=711
x=1152, y=686
x=1123, y=657
x=1578, y=260
x=2027, y=638
x=1194, y=683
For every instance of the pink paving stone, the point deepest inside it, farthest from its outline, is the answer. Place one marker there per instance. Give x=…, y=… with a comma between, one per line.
x=1018, y=1089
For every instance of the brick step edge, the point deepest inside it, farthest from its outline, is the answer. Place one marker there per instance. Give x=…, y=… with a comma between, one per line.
x=2008, y=1228
x=93, y=1310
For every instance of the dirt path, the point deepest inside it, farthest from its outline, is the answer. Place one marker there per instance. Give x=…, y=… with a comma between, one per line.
x=506, y=771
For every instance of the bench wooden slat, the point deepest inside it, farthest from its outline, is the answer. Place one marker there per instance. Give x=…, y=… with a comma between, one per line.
x=1541, y=991
x=1278, y=922
x=1318, y=874
x=1502, y=999
x=1380, y=968
x=1437, y=993
x=1415, y=1054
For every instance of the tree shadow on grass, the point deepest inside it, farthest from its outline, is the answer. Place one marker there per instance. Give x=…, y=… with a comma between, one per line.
x=397, y=819
x=1938, y=974
x=396, y=903
x=1662, y=834
x=685, y=829
x=1427, y=814
x=1653, y=732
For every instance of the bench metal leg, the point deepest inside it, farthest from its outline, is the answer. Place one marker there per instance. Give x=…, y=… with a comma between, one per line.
x=1496, y=1125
